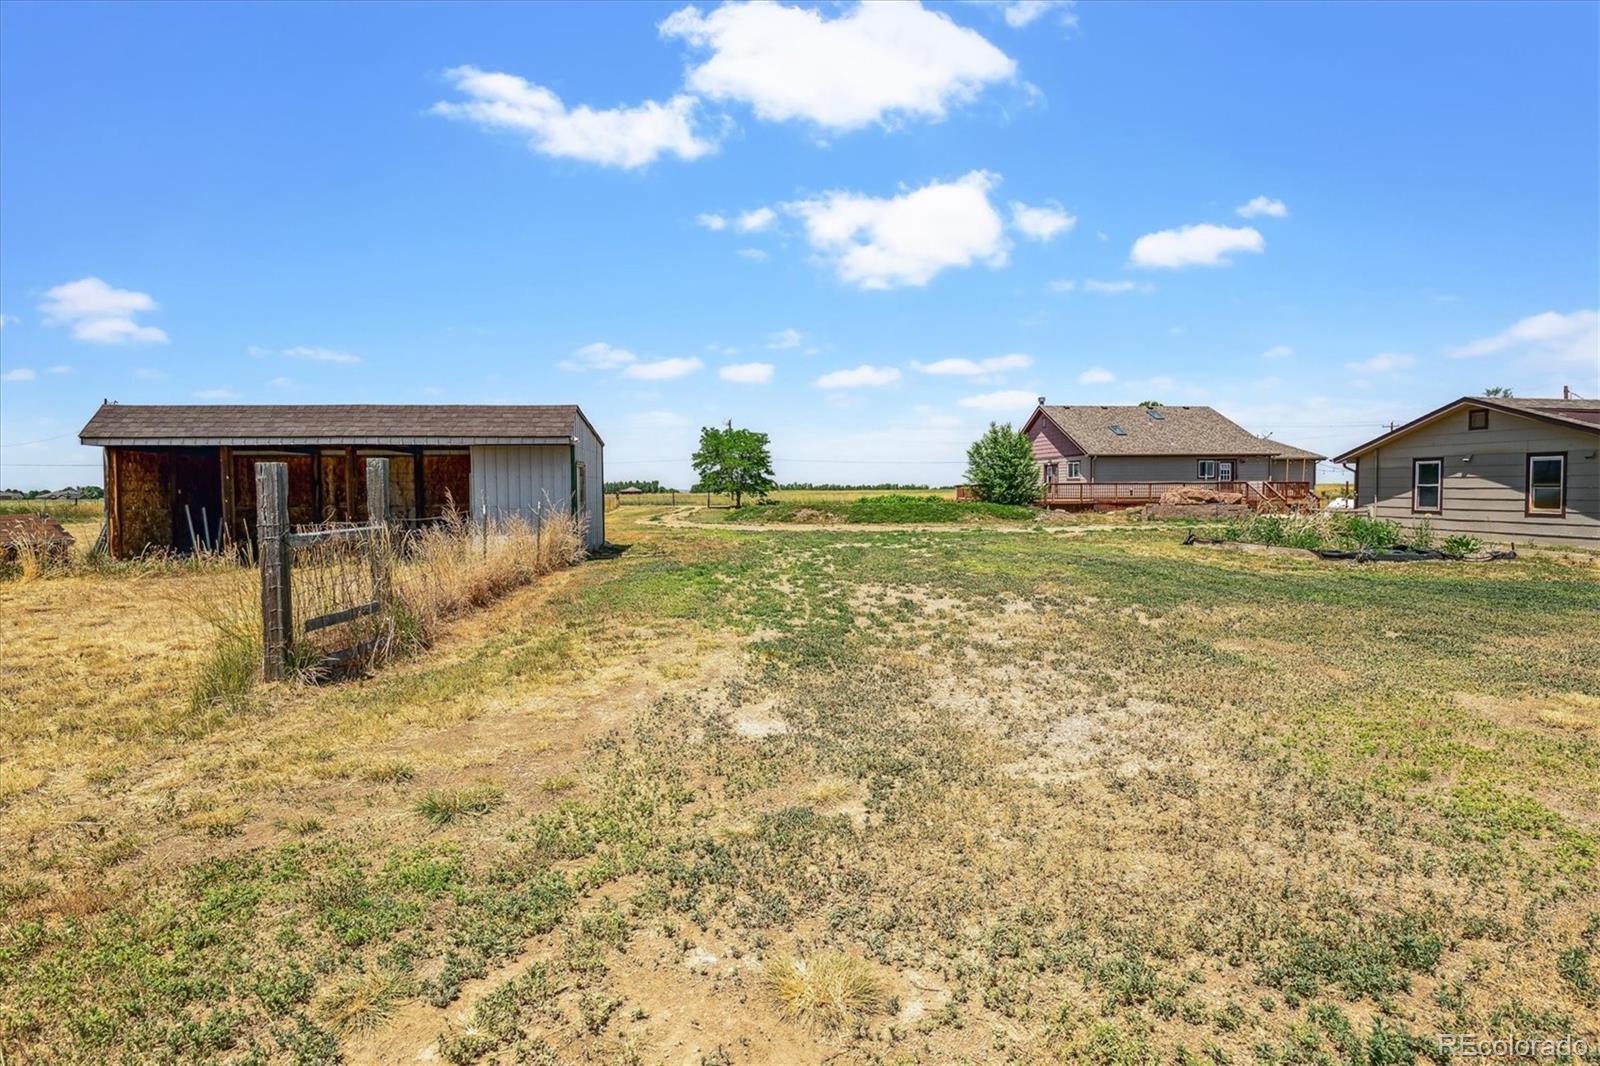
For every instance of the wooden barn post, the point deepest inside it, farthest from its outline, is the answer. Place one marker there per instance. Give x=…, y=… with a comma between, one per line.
x=378, y=515
x=272, y=529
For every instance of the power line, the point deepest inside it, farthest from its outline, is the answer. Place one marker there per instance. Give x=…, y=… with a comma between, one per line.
x=41, y=440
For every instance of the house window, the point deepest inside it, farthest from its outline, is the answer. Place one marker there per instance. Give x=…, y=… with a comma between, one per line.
x=1225, y=470
x=1051, y=472
x=1427, y=492
x=1074, y=468
x=1477, y=419
x=1547, y=485
x=1118, y=431
x=1207, y=470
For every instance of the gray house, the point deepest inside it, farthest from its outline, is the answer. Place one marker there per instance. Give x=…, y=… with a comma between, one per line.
x=170, y=466
x=1496, y=469
x=1101, y=455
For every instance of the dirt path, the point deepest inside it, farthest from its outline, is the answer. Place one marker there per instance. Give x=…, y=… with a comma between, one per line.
x=677, y=518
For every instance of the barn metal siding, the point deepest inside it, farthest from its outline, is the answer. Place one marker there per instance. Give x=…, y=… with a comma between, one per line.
x=521, y=479
x=591, y=454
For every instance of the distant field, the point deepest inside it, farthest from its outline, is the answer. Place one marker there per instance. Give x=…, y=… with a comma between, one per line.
x=906, y=508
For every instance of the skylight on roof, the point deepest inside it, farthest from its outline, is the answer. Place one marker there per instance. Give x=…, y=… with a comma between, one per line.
x=1153, y=413
x=1119, y=431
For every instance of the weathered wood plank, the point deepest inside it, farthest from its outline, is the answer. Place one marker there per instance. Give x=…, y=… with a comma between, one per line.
x=349, y=614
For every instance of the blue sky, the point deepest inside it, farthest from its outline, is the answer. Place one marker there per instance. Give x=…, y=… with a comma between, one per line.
x=866, y=231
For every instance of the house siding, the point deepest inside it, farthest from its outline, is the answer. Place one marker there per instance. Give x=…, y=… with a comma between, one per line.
x=1486, y=497
x=1172, y=467
x=1051, y=445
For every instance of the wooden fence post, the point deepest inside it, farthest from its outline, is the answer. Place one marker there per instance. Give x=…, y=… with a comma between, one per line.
x=378, y=515
x=272, y=527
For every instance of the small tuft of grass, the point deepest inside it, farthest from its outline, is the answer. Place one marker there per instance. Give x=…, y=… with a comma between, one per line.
x=389, y=772
x=829, y=989
x=359, y=1004
x=445, y=805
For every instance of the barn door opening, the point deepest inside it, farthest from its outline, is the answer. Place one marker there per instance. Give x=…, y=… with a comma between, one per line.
x=196, y=500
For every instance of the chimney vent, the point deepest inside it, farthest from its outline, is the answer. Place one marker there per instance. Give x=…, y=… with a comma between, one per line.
x=1041, y=401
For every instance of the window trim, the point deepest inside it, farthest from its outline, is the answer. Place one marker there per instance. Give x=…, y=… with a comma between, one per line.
x=1074, y=469
x=1233, y=471
x=1475, y=414
x=1052, y=473
x=1200, y=470
x=1527, y=485
x=1415, y=463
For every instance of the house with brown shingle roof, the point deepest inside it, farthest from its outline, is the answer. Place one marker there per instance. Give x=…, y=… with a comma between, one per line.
x=170, y=468
x=1101, y=454
x=1495, y=468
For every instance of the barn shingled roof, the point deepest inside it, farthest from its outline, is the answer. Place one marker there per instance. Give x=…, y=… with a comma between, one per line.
x=332, y=423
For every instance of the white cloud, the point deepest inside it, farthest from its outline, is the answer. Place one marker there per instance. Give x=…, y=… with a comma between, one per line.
x=1063, y=285
x=1114, y=288
x=60, y=368
x=1279, y=351
x=1020, y=401
x=21, y=373
x=321, y=355
x=1020, y=13
x=1202, y=245
x=873, y=63
x=973, y=368
x=1041, y=223
x=598, y=356
x=785, y=338
x=282, y=383
x=1382, y=363
x=712, y=222
x=1261, y=206
x=1548, y=337
x=863, y=376
x=626, y=137
x=216, y=394
x=888, y=242
x=746, y=373
x=101, y=314
x=755, y=255
x=148, y=373
x=756, y=220
x=1096, y=375
x=721, y=349
x=663, y=369
x=8, y=320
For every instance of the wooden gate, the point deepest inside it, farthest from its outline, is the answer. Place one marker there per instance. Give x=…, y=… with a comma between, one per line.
x=341, y=571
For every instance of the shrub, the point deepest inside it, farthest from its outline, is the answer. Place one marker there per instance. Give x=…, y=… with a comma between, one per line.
x=1359, y=531
x=1422, y=534
x=1461, y=544
x=1001, y=467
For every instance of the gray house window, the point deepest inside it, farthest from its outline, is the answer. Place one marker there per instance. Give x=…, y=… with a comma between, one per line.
x=1427, y=489
x=1051, y=470
x=1547, y=485
x=1207, y=470
x=1478, y=419
x=1074, y=468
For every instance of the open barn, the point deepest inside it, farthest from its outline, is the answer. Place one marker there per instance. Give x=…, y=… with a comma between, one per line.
x=182, y=476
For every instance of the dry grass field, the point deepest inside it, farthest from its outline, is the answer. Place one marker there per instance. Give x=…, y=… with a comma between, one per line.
x=731, y=796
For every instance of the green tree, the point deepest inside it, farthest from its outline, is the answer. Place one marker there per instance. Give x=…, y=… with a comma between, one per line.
x=1498, y=390
x=733, y=462
x=1151, y=405
x=1001, y=467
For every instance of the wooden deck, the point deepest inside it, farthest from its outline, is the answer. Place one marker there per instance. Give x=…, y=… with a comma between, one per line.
x=1262, y=495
